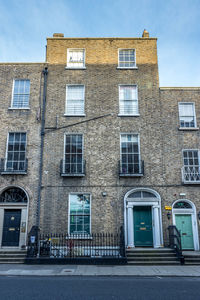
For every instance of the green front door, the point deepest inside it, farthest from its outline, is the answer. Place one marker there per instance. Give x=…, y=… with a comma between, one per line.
x=184, y=225
x=143, y=226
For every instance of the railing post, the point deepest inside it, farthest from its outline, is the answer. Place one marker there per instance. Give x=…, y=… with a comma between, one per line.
x=122, y=242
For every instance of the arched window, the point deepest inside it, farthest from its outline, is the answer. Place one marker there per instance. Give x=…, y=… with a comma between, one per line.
x=13, y=195
x=182, y=204
x=141, y=194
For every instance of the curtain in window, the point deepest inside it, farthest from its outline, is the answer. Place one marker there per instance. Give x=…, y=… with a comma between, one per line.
x=186, y=115
x=128, y=100
x=75, y=100
x=21, y=94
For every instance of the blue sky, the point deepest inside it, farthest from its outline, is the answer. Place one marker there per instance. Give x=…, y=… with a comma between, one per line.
x=26, y=24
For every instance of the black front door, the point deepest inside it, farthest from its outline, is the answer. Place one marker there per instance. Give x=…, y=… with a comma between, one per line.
x=11, y=227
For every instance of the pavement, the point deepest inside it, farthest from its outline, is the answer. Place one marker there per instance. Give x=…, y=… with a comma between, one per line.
x=98, y=270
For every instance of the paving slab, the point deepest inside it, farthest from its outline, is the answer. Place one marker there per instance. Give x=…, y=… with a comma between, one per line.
x=96, y=270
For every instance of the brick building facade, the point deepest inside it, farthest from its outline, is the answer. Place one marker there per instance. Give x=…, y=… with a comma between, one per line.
x=114, y=143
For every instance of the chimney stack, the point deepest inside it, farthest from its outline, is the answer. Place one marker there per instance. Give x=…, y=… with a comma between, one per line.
x=145, y=34
x=58, y=35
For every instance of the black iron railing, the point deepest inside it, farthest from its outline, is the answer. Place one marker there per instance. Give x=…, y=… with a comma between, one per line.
x=175, y=242
x=13, y=167
x=95, y=245
x=122, y=242
x=72, y=169
x=131, y=169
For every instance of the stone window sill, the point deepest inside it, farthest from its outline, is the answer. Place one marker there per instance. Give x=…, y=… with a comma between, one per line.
x=189, y=128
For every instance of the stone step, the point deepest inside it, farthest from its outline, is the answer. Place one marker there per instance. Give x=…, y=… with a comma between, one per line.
x=150, y=251
x=196, y=257
x=190, y=263
x=154, y=258
x=12, y=260
x=13, y=252
x=153, y=262
x=12, y=256
x=132, y=254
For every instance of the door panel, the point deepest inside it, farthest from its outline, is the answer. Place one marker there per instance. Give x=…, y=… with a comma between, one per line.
x=11, y=227
x=184, y=225
x=143, y=235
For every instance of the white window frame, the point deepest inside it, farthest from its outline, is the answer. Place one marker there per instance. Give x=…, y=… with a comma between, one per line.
x=75, y=115
x=194, y=170
x=75, y=193
x=135, y=66
x=128, y=115
x=138, y=137
x=6, y=156
x=76, y=67
x=195, y=122
x=198, y=151
x=13, y=86
x=74, y=133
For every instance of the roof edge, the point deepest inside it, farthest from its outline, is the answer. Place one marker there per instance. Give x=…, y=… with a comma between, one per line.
x=180, y=88
x=100, y=38
x=22, y=63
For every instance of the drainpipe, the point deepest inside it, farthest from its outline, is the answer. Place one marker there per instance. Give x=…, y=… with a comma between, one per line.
x=45, y=73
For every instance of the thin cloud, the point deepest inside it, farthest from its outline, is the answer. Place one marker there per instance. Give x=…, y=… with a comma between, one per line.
x=26, y=24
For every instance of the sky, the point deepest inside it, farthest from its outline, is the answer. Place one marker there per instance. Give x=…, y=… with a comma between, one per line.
x=176, y=23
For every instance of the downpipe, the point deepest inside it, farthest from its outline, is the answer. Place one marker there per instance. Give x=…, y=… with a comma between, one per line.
x=42, y=133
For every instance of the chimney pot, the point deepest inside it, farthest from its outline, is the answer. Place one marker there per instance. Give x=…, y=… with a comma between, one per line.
x=59, y=35
x=145, y=34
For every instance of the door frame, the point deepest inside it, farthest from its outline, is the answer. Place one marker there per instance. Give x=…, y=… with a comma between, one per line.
x=24, y=207
x=192, y=213
x=155, y=203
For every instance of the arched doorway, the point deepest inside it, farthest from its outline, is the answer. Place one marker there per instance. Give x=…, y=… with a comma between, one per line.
x=142, y=218
x=184, y=217
x=13, y=217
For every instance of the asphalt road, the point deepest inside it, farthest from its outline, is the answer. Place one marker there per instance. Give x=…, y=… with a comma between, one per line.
x=99, y=288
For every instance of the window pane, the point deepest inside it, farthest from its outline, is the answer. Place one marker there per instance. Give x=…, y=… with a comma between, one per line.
x=128, y=100
x=16, y=151
x=10, y=156
x=135, y=195
x=80, y=213
x=21, y=93
x=75, y=58
x=75, y=99
x=74, y=153
x=191, y=158
x=126, y=58
x=129, y=161
x=148, y=195
x=186, y=115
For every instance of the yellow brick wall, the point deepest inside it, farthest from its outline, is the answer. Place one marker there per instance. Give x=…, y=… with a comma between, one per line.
x=102, y=50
